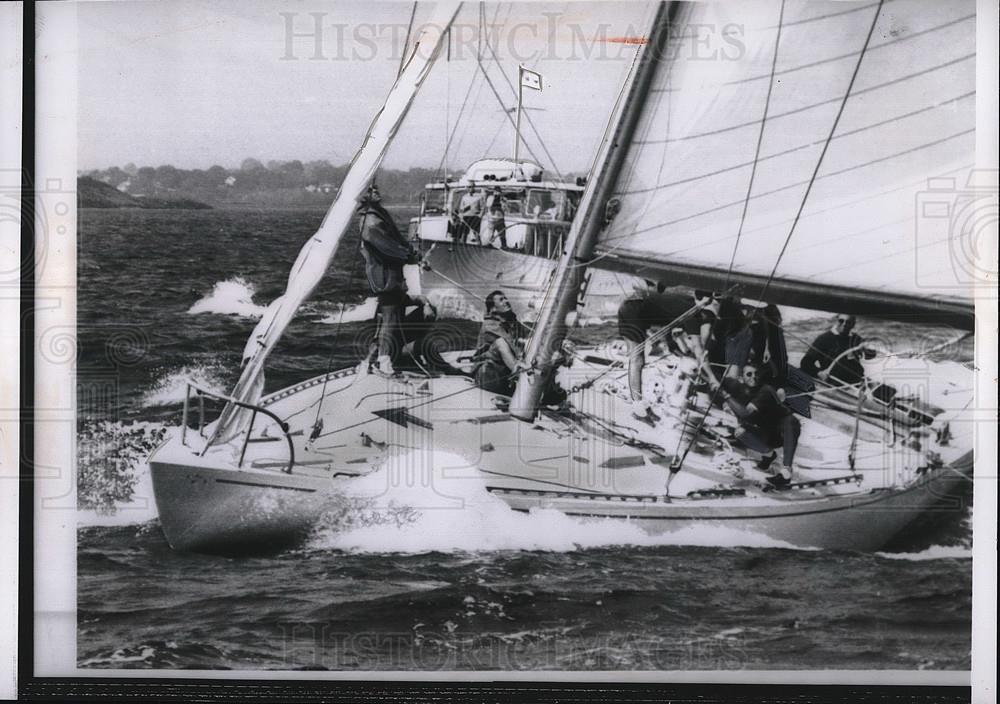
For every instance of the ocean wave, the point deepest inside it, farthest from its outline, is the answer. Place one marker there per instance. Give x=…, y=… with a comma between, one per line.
x=231, y=297
x=352, y=313
x=935, y=552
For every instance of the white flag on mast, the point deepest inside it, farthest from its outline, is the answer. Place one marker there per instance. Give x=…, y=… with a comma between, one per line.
x=530, y=79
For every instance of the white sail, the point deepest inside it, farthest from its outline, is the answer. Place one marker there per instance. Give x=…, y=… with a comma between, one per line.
x=909, y=117
x=316, y=255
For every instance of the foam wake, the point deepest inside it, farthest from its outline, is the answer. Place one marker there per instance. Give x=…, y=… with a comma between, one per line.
x=419, y=503
x=171, y=388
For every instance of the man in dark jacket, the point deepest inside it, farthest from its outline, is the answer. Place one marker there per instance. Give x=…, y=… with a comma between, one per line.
x=835, y=354
x=385, y=252
x=765, y=421
x=500, y=348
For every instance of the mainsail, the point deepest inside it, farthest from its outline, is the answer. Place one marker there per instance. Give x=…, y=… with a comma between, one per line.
x=795, y=148
x=316, y=255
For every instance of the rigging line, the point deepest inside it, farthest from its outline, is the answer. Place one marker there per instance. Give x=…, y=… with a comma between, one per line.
x=496, y=134
x=510, y=118
x=447, y=101
x=469, y=291
x=527, y=115
x=468, y=93
x=804, y=108
x=458, y=145
x=791, y=150
x=831, y=174
x=458, y=120
x=406, y=42
x=791, y=231
x=340, y=323
x=819, y=161
x=760, y=141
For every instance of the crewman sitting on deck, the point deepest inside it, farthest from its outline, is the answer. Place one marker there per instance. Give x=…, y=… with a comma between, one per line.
x=499, y=352
x=766, y=422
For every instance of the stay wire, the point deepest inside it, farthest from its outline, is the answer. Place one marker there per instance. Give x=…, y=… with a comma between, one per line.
x=760, y=142
x=340, y=324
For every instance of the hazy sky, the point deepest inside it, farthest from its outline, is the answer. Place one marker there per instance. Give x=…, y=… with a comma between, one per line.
x=195, y=83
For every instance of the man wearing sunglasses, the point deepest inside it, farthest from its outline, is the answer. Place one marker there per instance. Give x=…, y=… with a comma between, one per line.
x=767, y=423
x=835, y=354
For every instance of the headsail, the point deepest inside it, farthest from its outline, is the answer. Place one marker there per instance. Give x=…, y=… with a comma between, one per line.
x=316, y=255
x=698, y=187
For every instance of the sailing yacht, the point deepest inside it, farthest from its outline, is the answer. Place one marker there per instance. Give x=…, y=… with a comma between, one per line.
x=788, y=172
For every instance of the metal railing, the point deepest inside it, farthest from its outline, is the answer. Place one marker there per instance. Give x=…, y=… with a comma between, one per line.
x=201, y=393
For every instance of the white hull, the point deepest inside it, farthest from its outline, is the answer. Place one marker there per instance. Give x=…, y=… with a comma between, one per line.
x=574, y=462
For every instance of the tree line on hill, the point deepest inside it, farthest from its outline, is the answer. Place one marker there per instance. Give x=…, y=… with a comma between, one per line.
x=256, y=183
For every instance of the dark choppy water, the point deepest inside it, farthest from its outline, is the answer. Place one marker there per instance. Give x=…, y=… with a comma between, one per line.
x=164, y=295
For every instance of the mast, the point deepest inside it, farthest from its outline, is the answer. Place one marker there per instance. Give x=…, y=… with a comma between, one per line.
x=517, y=120
x=580, y=241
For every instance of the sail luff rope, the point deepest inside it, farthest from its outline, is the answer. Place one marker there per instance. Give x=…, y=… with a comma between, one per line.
x=406, y=42
x=354, y=261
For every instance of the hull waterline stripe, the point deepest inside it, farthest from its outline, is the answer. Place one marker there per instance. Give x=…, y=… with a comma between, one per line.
x=266, y=486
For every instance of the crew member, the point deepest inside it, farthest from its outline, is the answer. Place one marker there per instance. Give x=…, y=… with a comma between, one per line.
x=496, y=225
x=499, y=351
x=654, y=308
x=470, y=213
x=385, y=252
x=766, y=422
x=835, y=354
